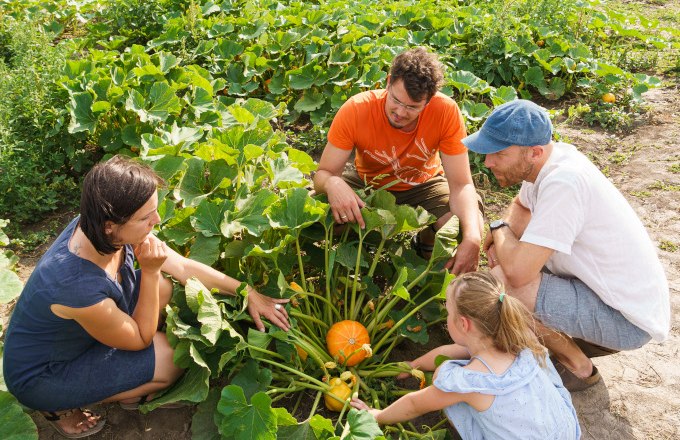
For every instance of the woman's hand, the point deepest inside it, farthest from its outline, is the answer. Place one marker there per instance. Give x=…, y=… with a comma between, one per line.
x=271, y=308
x=151, y=254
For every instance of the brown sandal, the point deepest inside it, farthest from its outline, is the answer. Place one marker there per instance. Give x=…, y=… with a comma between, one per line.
x=571, y=381
x=53, y=417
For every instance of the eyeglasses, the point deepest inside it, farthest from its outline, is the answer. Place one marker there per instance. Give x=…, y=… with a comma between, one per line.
x=408, y=108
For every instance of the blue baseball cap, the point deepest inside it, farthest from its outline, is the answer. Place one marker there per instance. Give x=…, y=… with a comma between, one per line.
x=519, y=122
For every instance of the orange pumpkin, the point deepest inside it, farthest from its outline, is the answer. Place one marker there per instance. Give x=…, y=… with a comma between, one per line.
x=345, y=338
x=609, y=98
x=303, y=354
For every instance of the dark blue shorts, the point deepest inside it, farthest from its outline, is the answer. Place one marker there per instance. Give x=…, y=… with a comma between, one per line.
x=97, y=374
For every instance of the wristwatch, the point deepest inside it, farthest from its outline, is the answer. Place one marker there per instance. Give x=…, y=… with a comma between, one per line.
x=497, y=224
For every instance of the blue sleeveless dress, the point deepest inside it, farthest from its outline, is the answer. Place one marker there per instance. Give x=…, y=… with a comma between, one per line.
x=53, y=364
x=530, y=404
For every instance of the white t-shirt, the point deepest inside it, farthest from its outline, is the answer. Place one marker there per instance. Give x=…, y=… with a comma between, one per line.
x=597, y=238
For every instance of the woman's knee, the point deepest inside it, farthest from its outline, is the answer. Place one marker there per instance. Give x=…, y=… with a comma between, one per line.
x=164, y=292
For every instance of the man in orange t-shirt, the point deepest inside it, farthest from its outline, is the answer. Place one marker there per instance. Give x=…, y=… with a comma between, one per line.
x=408, y=134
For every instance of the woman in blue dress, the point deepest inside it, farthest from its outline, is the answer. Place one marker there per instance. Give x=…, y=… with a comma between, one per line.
x=506, y=388
x=84, y=329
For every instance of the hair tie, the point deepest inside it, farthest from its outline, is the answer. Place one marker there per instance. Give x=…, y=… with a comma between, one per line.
x=501, y=296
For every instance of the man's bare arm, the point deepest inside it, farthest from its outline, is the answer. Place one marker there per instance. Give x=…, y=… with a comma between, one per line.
x=345, y=204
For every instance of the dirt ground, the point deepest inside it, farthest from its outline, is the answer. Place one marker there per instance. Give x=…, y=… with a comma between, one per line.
x=639, y=397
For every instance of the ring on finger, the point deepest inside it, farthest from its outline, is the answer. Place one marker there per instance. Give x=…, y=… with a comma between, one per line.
x=343, y=216
x=277, y=306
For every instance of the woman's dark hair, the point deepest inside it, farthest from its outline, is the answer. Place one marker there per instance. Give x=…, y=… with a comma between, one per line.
x=113, y=191
x=421, y=72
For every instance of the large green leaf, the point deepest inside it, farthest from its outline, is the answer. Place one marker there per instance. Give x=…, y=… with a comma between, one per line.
x=10, y=285
x=209, y=315
x=295, y=210
x=362, y=426
x=245, y=421
x=82, y=117
x=466, y=81
x=446, y=240
x=311, y=100
x=191, y=187
x=191, y=387
x=502, y=95
x=203, y=421
x=208, y=217
x=309, y=75
x=248, y=215
x=284, y=175
x=413, y=328
x=252, y=378
x=163, y=102
x=14, y=423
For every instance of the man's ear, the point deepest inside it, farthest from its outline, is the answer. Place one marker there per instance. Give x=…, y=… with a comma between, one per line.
x=536, y=152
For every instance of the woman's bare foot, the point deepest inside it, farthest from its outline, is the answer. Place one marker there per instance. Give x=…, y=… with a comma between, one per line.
x=75, y=423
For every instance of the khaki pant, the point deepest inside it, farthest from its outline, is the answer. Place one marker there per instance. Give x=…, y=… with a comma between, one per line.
x=432, y=195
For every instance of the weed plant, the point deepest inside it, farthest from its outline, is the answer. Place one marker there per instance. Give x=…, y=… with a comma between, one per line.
x=36, y=156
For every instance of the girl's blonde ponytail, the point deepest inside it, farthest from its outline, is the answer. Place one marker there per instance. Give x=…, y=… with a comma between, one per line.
x=481, y=297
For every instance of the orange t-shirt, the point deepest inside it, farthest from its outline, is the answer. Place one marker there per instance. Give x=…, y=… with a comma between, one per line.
x=410, y=157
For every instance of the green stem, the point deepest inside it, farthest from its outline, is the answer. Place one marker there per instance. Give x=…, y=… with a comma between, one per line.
x=302, y=268
x=305, y=318
x=324, y=300
x=265, y=351
x=376, y=257
x=389, y=349
x=312, y=348
x=284, y=390
x=421, y=276
x=297, y=403
x=355, y=282
x=415, y=310
x=316, y=404
x=311, y=379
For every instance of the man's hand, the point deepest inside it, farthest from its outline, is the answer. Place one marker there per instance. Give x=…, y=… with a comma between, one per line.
x=345, y=203
x=466, y=258
x=271, y=308
x=492, y=257
x=488, y=241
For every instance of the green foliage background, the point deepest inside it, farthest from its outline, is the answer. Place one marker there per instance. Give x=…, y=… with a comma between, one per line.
x=63, y=104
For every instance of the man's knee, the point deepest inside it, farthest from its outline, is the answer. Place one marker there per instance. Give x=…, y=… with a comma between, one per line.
x=527, y=293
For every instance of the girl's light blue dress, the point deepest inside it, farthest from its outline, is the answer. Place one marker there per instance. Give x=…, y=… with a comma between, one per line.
x=530, y=403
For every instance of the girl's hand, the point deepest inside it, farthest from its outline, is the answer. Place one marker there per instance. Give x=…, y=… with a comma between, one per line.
x=151, y=254
x=361, y=406
x=271, y=308
x=405, y=375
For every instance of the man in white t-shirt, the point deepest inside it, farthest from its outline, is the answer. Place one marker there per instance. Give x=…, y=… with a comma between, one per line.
x=570, y=247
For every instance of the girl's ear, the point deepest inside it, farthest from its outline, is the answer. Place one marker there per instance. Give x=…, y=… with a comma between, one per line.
x=466, y=323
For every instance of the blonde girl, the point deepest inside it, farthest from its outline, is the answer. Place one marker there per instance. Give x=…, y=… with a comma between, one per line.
x=506, y=388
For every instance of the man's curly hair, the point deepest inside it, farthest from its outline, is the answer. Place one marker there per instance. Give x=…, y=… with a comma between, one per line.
x=421, y=72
